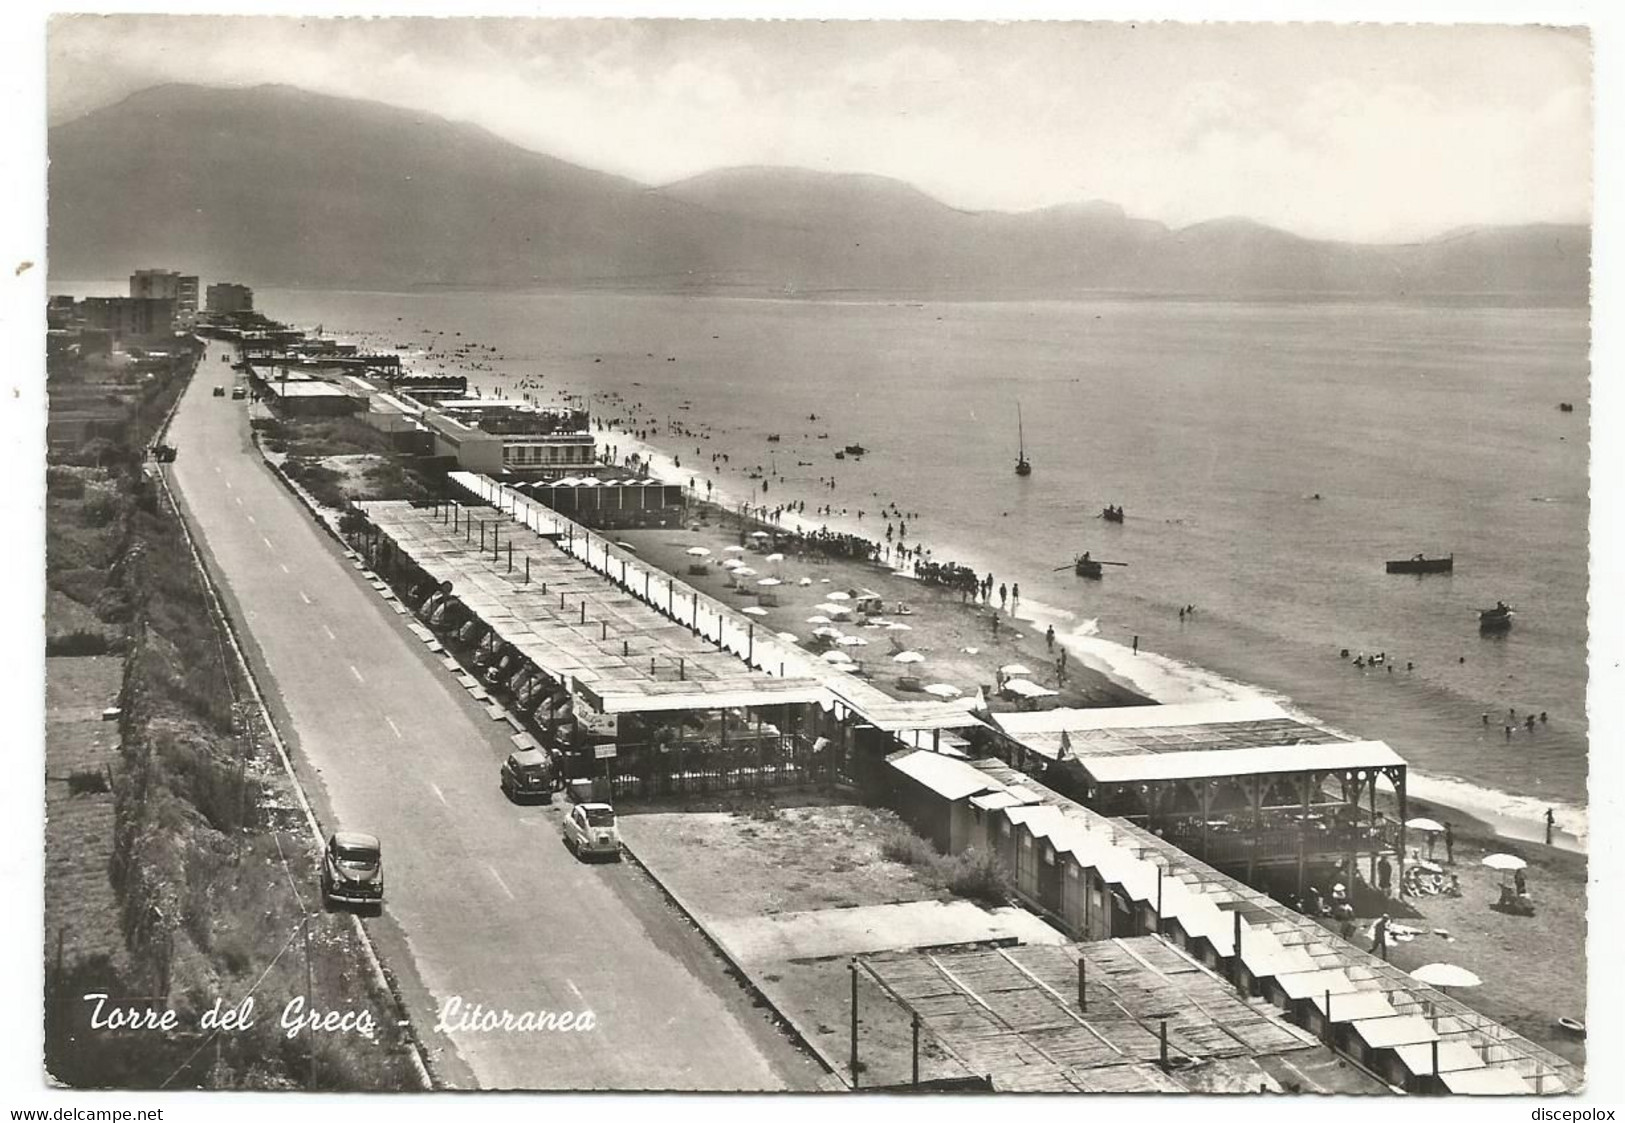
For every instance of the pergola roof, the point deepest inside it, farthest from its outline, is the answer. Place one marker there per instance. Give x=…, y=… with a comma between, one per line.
x=1269, y=760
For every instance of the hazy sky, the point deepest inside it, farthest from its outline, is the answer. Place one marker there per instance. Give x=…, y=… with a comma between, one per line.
x=1349, y=132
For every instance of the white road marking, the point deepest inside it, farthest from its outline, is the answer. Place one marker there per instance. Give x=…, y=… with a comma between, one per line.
x=500, y=882
x=282, y=567
x=575, y=990
x=228, y=483
x=267, y=542
x=329, y=632
x=356, y=673
x=250, y=517
x=217, y=469
x=393, y=726
x=438, y=792
x=304, y=598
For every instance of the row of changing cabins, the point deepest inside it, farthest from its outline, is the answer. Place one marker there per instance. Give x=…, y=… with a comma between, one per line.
x=1099, y=877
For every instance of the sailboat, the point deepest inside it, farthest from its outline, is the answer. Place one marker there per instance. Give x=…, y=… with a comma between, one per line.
x=1023, y=467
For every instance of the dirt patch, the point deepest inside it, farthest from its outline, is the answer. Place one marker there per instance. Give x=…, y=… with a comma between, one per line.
x=728, y=864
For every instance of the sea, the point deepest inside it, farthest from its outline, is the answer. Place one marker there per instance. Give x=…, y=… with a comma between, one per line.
x=1269, y=457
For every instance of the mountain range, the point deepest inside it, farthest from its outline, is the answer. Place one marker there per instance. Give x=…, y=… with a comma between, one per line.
x=277, y=186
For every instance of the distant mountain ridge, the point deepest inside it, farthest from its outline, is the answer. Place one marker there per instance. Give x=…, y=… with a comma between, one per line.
x=277, y=186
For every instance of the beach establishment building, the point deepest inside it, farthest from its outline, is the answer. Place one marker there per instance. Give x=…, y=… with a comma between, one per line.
x=609, y=501
x=1243, y=785
x=641, y=681
x=292, y=393
x=500, y=436
x=1102, y=878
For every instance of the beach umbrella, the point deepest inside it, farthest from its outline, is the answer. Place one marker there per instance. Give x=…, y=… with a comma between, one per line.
x=943, y=690
x=898, y=628
x=770, y=581
x=775, y=557
x=840, y=596
x=828, y=632
x=1445, y=975
x=1428, y=825
x=731, y=563
x=698, y=552
x=789, y=637
x=744, y=571
x=760, y=534
x=805, y=581
x=836, y=657
x=735, y=549
x=1431, y=867
x=1014, y=669
x=908, y=657
x=852, y=641
x=819, y=620
x=1505, y=862
x=754, y=611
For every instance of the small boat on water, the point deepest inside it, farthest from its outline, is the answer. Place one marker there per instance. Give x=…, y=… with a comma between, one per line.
x=1085, y=566
x=1497, y=619
x=1566, y=407
x=855, y=450
x=1421, y=563
x=840, y=455
x=772, y=437
x=1023, y=465
x=1112, y=514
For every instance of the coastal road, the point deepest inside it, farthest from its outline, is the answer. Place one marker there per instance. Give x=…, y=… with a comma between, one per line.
x=483, y=897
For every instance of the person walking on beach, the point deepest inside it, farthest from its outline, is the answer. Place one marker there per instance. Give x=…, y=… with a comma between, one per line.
x=1379, y=937
x=1551, y=822
x=1449, y=843
x=1049, y=638
x=1136, y=645
x=1385, y=875
x=1015, y=602
x=1004, y=595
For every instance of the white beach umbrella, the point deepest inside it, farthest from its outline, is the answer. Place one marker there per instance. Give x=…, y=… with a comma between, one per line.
x=1446, y=975
x=908, y=657
x=789, y=637
x=1428, y=825
x=943, y=690
x=698, y=552
x=819, y=620
x=829, y=609
x=840, y=596
x=760, y=534
x=775, y=557
x=735, y=549
x=839, y=610
x=744, y=571
x=852, y=641
x=805, y=581
x=754, y=611
x=828, y=632
x=836, y=657
x=1015, y=669
x=895, y=627
x=731, y=563
x=770, y=581
x=1505, y=862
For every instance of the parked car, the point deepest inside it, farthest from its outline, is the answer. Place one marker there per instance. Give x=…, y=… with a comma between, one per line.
x=238, y=393
x=590, y=830
x=528, y=774
x=353, y=870
x=219, y=391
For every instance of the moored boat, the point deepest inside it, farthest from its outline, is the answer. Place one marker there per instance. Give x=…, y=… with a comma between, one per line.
x=1112, y=514
x=1023, y=465
x=1496, y=619
x=1423, y=564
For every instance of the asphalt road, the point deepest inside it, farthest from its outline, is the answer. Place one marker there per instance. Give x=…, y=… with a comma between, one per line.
x=483, y=897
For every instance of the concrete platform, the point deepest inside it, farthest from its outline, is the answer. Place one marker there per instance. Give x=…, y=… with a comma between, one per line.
x=821, y=933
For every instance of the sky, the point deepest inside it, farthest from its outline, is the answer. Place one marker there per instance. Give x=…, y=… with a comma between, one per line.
x=1355, y=132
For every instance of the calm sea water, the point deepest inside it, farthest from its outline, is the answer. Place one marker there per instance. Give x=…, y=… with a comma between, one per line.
x=1213, y=424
